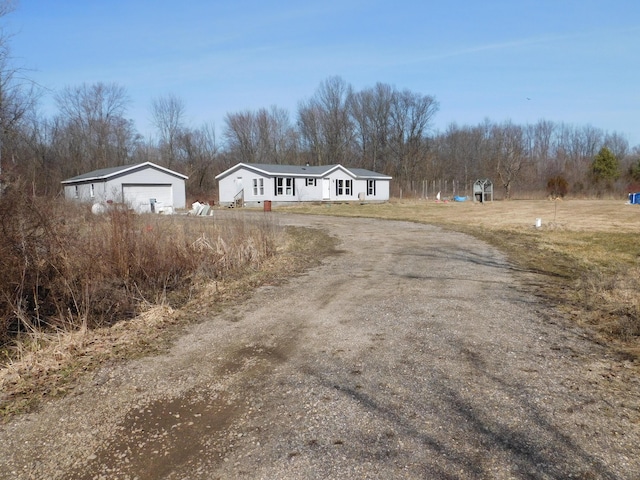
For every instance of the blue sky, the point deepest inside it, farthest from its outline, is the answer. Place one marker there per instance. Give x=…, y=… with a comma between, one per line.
x=572, y=61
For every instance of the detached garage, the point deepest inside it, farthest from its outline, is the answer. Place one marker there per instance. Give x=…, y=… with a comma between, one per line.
x=145, y=187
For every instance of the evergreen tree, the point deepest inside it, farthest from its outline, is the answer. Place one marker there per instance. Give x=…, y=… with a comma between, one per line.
x=605, y=168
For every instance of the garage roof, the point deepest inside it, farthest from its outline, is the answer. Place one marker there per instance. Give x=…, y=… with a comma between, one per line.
x=104, y=174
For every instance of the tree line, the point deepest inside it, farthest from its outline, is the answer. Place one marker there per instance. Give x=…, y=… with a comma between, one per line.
x=380, y=128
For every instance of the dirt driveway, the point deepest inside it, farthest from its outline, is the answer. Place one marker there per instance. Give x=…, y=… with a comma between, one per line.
x=414, y=353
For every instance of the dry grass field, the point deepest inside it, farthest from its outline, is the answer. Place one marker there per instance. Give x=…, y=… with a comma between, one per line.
x=585, y=254
x=574, y=215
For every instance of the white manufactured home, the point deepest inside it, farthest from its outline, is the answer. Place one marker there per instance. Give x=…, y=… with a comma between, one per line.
x=252, y=184
x=145, y=187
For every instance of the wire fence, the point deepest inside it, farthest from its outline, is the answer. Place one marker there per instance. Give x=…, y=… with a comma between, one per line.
x=429, y=189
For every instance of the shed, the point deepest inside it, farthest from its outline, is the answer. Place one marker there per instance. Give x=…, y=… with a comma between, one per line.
x=253, y=184
x=145, y=187
x=483, y=190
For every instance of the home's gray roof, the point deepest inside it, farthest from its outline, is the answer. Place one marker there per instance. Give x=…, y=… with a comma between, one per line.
x=304, y=170
x=106, y=173
x=362, y=172
x=292, y=169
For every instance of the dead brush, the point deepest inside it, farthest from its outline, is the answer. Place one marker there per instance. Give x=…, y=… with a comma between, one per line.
x=65, y=269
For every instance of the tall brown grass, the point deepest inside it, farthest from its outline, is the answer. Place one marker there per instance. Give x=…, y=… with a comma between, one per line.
x=63, y=268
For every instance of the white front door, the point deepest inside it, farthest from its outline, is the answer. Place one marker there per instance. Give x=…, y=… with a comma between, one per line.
x=326, y=188
x=238, y=182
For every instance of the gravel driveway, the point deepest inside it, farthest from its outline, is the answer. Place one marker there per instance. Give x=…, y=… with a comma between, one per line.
x=414, y=353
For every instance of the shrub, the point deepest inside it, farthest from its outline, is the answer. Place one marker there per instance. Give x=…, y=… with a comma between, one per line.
x=557, y=187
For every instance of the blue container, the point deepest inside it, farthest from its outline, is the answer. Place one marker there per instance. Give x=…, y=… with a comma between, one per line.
x=636, y=199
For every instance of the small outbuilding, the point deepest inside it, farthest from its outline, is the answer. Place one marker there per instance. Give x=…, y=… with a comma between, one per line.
x=145, y=187
x=263, y=184
x=483, y=191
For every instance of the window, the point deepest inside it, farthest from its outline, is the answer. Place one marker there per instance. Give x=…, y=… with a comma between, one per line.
x=258, y=187
x=75, y=193
x=371, y=187
x=310, y=182
x=93, y=192
x=343, y=187
x=284, y=186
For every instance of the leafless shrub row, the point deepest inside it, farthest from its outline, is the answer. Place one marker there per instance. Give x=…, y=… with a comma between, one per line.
x=63, y=267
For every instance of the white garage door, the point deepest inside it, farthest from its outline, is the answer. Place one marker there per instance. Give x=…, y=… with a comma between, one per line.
x=142, y=197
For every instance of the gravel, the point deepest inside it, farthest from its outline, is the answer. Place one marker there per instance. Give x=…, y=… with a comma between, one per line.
x=413, y=353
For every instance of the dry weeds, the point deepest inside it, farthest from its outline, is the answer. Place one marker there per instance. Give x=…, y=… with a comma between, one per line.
x=42, y=364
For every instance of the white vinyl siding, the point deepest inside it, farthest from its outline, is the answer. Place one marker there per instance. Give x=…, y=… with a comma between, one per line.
x=141, y=197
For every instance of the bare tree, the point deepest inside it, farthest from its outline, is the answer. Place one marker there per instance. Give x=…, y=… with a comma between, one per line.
x=509, y=154
x=93, y=119
x=618, y=145
x=411, y=116
x=370, y=110
x=459, y=152
x=242, y=136
x=18, y=94
x=311, y=133
x=167, y=114
x=263, y=136
x=325, y=124
x=331, y=97
x=277, y=141
x=542, y=136
x=200, y=150
x=40, y=166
